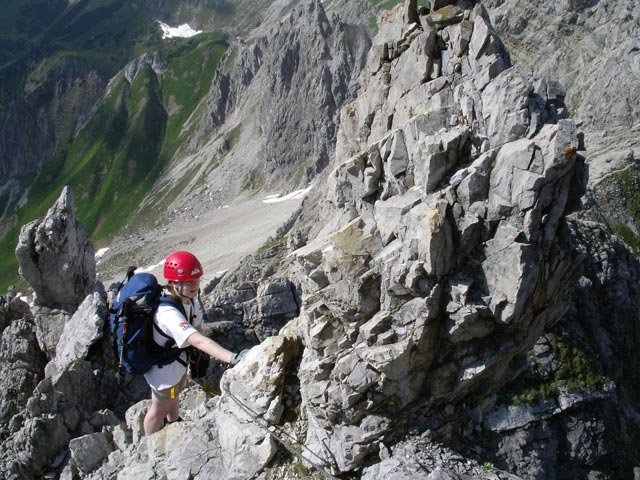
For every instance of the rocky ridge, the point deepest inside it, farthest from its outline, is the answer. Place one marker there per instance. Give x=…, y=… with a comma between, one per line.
x=590, y=50
x=453, y=168
x=439, y=263
x=250, y=130
x=32, y=126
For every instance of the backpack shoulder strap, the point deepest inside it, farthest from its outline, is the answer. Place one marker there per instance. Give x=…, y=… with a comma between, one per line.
x=166, y=300
x=171, y=351
x=177, y=304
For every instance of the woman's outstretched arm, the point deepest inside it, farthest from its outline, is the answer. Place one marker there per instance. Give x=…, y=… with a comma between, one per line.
x=209, y=347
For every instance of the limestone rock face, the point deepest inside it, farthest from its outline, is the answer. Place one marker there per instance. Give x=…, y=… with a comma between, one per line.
x=56, y=257
x=21, y=360
x=441, y=252
x=304, y=58
x=222, y=437
x=590, y=96
x=46, y=407
x=564, y=401
x=49, y=326
x=259, y=309
x=436, y=280
x=84, y=329
x=600, y=40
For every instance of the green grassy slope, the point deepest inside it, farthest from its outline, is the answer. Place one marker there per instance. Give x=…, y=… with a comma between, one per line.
x=115, y=159
x=136, y=130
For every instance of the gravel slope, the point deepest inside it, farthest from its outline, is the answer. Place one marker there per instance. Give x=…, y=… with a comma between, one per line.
x=220, y=238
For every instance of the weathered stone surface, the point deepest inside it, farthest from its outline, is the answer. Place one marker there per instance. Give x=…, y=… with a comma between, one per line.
x=49, y=325
x=470, y=181
x=505, y=102
x=517, y=416
x=222, y=436
x=12, y=308
x=89, y=450
x=261, y=308
x=258, y=384
x=389, y=214
x=428, y=235
x=558, y=37
x=439, y=255
x=56, y=257
x=302, y=57
x=134, y=417
x=182, y=450
x=472, y=184
x=435, y=155
x=84, y=387
x=486, y=56
x=35, y=446
x=83, y=330
x=21, y=368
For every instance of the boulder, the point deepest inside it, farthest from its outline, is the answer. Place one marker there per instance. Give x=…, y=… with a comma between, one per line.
x=49, y=325
x=84, y=329
x=259, y=309
x=89, y=450
x=21, y=368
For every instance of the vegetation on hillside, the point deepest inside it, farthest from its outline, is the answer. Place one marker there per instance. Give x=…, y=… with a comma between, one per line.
x=135, y=131
x=120, y=152
x=572, y=369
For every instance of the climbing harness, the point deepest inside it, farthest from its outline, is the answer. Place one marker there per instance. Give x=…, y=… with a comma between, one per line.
x=278, y=434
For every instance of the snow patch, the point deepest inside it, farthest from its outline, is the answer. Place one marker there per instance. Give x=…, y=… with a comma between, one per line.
x=182, y=31
x=101, y=253
x=291, y=196
x=25, y=299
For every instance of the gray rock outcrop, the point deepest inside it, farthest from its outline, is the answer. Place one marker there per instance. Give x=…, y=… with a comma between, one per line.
x=575, y=403
x=441, y=254
x=56, y=257
x=589, y=54
x=57, y=260
x=47, y=406
x=454, y=322
x=302, y=58
x=259, y=309
x=221, y=437
x=21, y=360
x=83, y=330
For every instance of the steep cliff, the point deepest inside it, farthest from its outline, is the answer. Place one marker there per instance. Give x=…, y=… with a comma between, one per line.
x=445, y=311
x=591, y=52
x=130, y=119
x=272, y=108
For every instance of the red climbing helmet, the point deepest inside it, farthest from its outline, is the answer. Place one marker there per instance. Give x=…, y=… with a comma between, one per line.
x=182, y=267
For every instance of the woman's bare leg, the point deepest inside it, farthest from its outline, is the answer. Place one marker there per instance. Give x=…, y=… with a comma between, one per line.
x=160, y=409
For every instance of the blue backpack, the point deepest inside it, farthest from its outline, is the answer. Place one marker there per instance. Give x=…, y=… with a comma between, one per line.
x=131, y=324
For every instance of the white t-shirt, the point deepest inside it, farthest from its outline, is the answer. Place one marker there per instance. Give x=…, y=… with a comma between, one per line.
x=171, y=322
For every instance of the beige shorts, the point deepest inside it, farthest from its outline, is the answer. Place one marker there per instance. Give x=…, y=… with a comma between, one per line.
x=171, y=392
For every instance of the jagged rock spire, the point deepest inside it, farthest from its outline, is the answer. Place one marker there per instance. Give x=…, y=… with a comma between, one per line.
x=56, y=257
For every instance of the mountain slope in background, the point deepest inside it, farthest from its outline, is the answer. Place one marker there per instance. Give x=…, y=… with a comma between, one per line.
x=73, y=115
x=437, y=288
